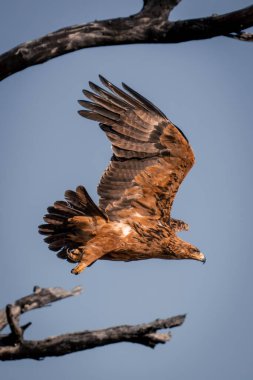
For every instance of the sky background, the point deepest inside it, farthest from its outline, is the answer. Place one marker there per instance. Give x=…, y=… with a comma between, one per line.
x=205, y=87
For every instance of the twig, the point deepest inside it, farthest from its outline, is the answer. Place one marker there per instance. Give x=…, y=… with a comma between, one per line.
x=150, y=25
x=242, y=36
x=12, y=314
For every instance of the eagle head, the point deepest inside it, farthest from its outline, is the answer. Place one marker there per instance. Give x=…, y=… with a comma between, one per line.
x=180, y=249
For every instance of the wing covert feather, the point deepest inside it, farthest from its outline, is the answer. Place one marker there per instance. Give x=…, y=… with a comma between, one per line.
x=151, y=156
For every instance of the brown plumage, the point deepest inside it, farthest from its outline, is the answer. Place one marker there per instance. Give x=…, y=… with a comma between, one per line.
x=151, y=157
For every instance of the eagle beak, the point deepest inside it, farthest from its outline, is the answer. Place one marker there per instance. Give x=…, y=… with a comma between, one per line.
x=202, y=257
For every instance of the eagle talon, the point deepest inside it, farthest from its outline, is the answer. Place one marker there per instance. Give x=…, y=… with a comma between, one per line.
x=79, y=268
x=74, y=255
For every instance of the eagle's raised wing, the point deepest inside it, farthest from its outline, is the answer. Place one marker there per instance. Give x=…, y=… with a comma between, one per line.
x=151, y=156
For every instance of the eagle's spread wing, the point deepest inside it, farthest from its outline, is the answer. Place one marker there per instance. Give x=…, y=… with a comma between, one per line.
x=151, y=156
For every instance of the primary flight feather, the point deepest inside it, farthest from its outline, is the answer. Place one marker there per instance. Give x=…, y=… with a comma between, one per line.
x=151, y=157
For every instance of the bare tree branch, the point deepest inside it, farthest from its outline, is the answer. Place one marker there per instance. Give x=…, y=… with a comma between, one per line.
x=150, y=25
x=39, y=298
x=145, y=334
x=13, y=346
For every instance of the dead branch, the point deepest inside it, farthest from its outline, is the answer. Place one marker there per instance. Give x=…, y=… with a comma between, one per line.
x=39, y=298
x=13, y=345
x=150, y=25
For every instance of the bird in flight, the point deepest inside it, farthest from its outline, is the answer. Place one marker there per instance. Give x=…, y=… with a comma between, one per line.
x=151, y=157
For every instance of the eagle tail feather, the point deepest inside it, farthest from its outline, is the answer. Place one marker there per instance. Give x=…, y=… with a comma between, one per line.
x=70, y=223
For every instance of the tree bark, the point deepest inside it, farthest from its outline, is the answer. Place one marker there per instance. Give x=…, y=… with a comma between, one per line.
x=13, y=345
x=150, y=25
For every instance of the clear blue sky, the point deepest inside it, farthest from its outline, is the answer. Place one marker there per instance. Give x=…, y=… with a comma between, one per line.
x=205, y=88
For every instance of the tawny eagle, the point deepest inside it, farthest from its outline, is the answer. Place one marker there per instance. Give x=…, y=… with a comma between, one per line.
x=151, y=157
